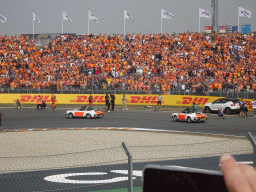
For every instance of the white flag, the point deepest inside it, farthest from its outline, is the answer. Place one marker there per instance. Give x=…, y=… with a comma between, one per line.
x=65, y=16
x=35, y=18
x=244, y=12
x=92, y=16
x=127, y=15
x=3, y=19
x=204, y=13
x=166, y=14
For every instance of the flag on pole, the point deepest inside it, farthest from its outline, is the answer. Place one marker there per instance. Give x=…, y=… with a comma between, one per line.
x=204, y=13
x=92, y=16
x=244, y=12
x=65, y=16
x=35, y=18
x=166, y=14
x=127, y=15
x=3, y=19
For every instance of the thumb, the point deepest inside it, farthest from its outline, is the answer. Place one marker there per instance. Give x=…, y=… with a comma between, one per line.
x=233, y=176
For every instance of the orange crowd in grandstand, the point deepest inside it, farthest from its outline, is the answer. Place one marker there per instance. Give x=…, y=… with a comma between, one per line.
x=185, y=61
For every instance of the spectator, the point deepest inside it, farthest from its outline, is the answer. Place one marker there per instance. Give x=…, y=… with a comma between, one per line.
x=254, y=107
x=39, y=102
x=107, y=102
x=90, y=100
x=53, y=99
x=242, y=108
x=43, y=105
x=18, y=104
x=124, y=103
x=220, y=113
x=245, y=108
x=113, y=101
x=194, y=107
x=159, y=102
x=164, y=61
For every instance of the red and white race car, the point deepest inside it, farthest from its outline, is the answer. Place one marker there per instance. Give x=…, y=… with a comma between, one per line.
x=85, y=112
x=190, y=116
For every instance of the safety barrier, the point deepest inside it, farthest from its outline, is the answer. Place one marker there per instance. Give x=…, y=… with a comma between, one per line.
x=168, y=100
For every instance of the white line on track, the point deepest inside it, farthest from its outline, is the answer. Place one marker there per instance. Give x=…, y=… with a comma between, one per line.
x=110, y=127
x=129, y=129
x=174, y=131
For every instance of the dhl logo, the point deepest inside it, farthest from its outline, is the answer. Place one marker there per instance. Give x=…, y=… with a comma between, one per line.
x=101, y=99
x=143, y=99
x=249, y=104
x=32, y=99
x=191, y=100
x=85, y=99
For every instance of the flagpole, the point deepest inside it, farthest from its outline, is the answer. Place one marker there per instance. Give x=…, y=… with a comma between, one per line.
x=238, y=21
x=33, y=30
x=124, y=24
x=88, y=21
x=33, y=26
x=161, y=25
x=199, y=20
x=161, y=22
x=62, y=22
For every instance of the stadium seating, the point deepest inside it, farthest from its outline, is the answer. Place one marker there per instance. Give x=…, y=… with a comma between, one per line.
x=189, y=62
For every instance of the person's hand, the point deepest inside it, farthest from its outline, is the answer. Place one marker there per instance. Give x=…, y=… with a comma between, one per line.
x=238, y=177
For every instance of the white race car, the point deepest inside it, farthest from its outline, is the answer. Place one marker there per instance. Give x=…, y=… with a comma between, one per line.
x=190, y=116
x=85, y=112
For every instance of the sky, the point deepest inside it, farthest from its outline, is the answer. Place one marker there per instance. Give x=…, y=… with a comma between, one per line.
x=145, y=13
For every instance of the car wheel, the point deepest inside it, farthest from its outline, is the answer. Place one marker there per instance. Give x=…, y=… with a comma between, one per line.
x=227, y=111
x=70, y=116
x=189, y=120
x=175, y=118
x=88, y=116
x=207, y=110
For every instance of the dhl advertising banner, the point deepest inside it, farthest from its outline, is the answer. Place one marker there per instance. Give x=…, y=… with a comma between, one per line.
x=173, y=100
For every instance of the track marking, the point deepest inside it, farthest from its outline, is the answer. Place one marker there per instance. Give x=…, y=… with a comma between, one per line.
x=121, y=128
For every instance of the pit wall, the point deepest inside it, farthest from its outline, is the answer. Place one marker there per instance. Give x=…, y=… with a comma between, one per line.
x=150, y=100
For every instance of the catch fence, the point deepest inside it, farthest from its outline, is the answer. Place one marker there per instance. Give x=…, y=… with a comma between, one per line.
x=180, y=150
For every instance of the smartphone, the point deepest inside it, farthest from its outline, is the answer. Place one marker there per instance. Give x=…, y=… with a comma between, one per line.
x=181, y=179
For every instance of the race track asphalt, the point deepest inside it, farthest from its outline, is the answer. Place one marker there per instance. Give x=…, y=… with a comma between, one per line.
x=49, y=118
x=29, y=118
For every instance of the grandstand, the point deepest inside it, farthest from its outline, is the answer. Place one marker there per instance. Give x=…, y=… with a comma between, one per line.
x=184, y=63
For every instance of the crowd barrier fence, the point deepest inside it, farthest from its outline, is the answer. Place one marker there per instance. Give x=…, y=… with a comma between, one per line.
x=228, y=94
x=99, y=99
x=179, y=153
